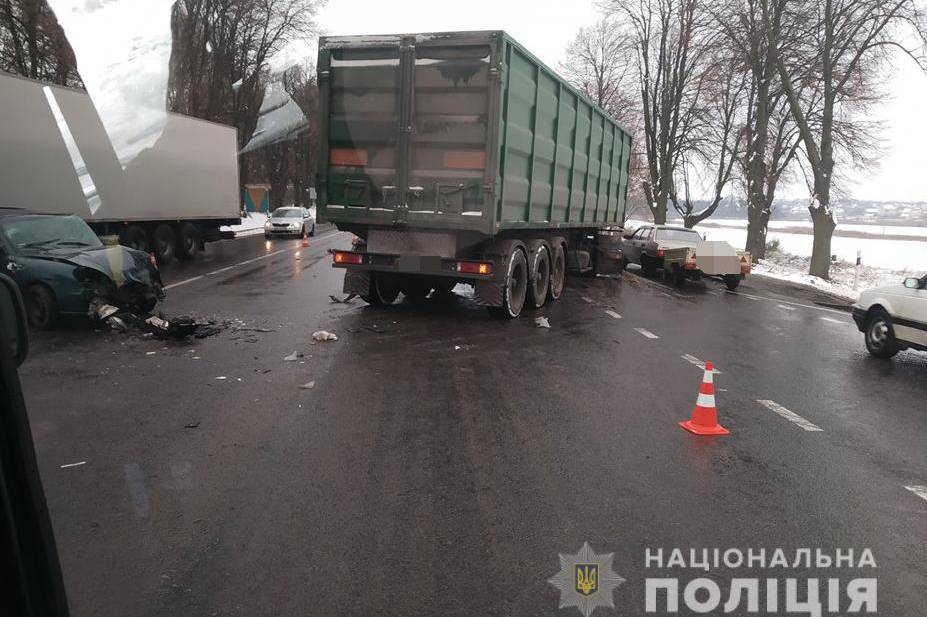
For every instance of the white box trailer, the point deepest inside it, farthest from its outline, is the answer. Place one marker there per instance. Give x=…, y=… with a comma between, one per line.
x=170, y=199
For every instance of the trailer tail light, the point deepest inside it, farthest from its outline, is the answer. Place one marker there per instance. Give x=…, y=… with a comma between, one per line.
x=153, y=260
x=345, y=257
x=474, y=267
x=661, y=253
x=464, y=159
x=347, y=157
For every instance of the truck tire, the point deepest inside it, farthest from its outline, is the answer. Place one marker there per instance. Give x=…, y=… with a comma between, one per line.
x=557, y=272
x=41, y=307
x=515, y=291
x=165, y=243
x=732, y=281
x=880, y=335
x=538, y=275
x=134, y=237
x=188, y=241
x=383, y=291
x=416, y=290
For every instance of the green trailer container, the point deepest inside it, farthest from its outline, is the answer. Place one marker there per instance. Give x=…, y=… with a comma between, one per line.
x=456, y=156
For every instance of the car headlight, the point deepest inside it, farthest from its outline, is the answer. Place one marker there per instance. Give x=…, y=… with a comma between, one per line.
x=294, y=225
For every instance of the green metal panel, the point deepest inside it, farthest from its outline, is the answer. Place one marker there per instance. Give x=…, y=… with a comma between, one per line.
x=552, y=158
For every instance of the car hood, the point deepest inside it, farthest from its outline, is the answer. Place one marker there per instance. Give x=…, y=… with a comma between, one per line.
x=884, y=290
x=120, y=264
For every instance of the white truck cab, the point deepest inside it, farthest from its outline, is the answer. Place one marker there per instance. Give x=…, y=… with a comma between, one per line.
x=893, y=317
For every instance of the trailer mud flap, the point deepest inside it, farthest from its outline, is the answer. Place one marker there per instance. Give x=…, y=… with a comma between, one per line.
x=356, y=282
x=488, y=293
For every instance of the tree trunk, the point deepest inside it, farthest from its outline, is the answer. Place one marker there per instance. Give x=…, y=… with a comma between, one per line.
x=757, y=225
x=824, y=225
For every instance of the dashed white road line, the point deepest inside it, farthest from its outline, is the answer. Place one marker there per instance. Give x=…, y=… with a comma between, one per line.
x=587, y=299
x=613, y=314
x=786, y=307
x=791, y=416
x=785, y=302
x=324, y=238
x=646, y=333
x=919, y=490
x=78, y=464
x=693, y=360
x=832, y=320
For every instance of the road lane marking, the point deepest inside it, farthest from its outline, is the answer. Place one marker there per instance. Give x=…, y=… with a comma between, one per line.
x=832, y=320
x=324, y=238
x=919, y=490
x=663, y=293
x=613, y=314
x=791, y=416
x=587, y=299
x=646, y=333
x=786, y=307
x=66, y=465
x=781, y=302
x=693, y=360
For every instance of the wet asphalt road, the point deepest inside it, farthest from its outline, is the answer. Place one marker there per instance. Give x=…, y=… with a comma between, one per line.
x=442, y=460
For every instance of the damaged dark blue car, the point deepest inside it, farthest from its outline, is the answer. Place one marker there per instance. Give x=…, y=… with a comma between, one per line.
x=63, y=269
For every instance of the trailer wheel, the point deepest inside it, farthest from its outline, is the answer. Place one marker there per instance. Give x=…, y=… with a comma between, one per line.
x=134, y=237
x=383, y=290
x=165, y=241
x=557, y=273
x=188, y=241
x=416, y=290
x=648, y=268
x=516, y=287
x=538, y=276
x=732, y=281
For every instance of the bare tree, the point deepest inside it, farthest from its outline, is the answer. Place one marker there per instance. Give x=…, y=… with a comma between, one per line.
x=831, y=51
x=671, y=40
x=32, y=44
x=714, y=146
x=597, y=65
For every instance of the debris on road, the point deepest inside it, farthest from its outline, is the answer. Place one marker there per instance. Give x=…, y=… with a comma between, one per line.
x=77, y=464
x=149, y=325
x=345, y=300
x=324, y=335
x=150, y=353
x=542, y=322
x=221, y=377
x=307, y=386
x=195, y=424
x=293, y=357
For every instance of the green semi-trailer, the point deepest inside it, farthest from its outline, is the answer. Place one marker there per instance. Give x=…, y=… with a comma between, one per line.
x=460, y=157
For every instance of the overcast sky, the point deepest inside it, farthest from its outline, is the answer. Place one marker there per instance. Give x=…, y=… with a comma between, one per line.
x=546, y=27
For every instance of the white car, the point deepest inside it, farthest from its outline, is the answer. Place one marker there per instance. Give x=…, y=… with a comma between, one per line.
x=893, y=317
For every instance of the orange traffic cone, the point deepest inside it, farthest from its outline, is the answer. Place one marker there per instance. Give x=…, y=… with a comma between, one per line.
x=305, y=240
x=705, y=417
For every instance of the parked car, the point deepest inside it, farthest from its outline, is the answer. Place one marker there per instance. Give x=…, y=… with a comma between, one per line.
x=61, y=266
x=894, y=317
x=290, y=221
x=682, y=254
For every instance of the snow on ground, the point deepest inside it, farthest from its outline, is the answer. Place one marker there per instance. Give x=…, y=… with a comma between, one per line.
x=794, y=268
x=251, y=224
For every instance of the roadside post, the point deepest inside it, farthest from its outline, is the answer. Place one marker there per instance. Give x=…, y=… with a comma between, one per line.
x=859, y=263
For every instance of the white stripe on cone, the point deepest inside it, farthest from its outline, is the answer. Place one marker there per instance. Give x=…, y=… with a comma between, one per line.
x=705, y=400
x=709, y=377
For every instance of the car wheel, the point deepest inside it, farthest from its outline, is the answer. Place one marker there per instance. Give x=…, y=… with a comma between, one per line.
x=188, y=241
x=165, y=242
x=679, y=277
x=557, y=273
x=732, y=281
x=880, y=335
x=312, y=230
x=515, y=291
x=41, y=307
x=647, y=266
